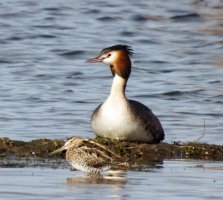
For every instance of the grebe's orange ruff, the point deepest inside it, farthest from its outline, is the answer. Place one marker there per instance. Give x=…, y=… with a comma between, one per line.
x=120, y=118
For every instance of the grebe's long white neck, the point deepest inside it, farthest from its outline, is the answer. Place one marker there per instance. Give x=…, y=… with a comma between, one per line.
x=118, y=86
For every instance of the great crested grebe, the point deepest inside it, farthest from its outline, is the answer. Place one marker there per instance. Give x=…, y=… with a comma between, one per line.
x=120, y=118
x=86, y=155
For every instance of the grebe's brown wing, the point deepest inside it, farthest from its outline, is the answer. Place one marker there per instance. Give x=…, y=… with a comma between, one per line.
x=150, y=122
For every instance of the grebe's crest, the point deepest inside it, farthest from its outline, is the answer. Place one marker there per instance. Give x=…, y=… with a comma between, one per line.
x=118, y=47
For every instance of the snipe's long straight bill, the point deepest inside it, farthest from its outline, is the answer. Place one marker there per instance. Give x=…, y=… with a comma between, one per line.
x=58, y=150
x=95, y=60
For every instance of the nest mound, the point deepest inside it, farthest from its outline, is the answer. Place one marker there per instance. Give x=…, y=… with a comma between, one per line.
x=135, y=153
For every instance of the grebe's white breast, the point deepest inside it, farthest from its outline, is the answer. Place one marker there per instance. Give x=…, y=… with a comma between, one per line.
x=114, y=118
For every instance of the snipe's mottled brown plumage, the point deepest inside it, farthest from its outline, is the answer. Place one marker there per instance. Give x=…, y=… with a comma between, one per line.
x=86, y=155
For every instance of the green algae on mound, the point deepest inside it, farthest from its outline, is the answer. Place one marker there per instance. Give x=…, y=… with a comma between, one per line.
x=38, y=148
x=144, y=152
x=135, y=153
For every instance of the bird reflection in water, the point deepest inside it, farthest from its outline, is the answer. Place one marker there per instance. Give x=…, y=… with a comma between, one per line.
x=112, y=177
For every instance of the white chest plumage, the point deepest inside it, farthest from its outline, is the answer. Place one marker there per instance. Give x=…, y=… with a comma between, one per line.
x=114, y=119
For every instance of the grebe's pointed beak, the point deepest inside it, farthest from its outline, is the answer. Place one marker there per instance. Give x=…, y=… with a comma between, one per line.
x=95, y=60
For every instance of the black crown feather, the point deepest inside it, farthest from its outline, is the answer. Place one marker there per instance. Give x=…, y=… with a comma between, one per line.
x=118, y=47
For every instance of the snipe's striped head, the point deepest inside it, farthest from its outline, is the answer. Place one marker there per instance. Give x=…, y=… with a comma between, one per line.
x=73, y=142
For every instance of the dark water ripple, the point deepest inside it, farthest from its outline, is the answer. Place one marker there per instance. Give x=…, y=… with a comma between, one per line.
x=182, y=93
x=139, y=18
x=72, y=54
x=107, y=19
x=47, y=89
x=192, y=17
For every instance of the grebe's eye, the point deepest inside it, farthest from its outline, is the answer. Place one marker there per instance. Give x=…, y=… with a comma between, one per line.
x=108, y=55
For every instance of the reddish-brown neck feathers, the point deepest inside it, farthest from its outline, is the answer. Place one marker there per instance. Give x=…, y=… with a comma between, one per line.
x=122, y=65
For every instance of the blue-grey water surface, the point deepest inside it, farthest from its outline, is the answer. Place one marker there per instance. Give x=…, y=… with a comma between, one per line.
x=48, y=91
x=197, y=180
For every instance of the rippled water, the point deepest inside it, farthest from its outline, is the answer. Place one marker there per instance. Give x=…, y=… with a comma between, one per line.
x=172, y=180
x=47, y=89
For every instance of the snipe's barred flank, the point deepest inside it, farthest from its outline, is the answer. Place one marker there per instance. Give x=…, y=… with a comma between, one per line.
x=86, y=155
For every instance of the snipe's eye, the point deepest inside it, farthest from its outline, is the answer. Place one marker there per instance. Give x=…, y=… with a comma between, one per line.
x=108, y=55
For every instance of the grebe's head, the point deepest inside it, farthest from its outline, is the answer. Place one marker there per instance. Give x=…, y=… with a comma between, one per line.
x=112, y=54
x=117, y=57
